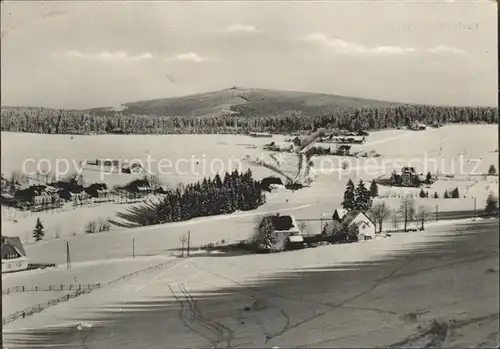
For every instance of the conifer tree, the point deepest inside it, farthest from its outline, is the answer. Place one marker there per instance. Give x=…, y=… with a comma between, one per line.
x=492, y=170
x=363, y=200
x=349, y=196
x=491, y=205
x=374, y=189
x=38, y=232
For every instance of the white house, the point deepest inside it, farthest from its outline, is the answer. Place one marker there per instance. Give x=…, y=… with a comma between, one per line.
x=365, y=226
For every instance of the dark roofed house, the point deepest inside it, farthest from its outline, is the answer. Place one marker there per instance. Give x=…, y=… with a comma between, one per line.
x=37, y=195
x=71, y=190
x=98, y=190
x=287, y=231
x=138, y=187
x=12, y=247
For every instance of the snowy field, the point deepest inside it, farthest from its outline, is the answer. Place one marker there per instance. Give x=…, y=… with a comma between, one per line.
x=366, y=294
x=227, y=152
x=102, y=257
x=17, y=301
x=80, y=274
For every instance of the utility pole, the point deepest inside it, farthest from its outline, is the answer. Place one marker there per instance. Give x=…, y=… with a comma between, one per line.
x=474, y=208
x=68, y=256
x=183, y=240
x=133, y=248
x=188, y=242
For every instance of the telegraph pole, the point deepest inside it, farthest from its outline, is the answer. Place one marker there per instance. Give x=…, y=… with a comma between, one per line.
x=183, y=240
x=188, y=242
x=437, y=213
x=133, y=248
x=474, y=208
x=68, y=256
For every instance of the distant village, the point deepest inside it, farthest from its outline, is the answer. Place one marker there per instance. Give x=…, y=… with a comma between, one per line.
x=39, y=194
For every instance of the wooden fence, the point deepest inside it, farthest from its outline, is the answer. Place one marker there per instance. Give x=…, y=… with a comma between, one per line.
x=75, y=291
x=49, y=288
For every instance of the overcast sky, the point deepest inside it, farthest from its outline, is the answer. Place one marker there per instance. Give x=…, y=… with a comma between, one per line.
x=79, y=55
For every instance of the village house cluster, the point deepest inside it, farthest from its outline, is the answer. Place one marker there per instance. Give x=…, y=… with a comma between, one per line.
x=37, y=195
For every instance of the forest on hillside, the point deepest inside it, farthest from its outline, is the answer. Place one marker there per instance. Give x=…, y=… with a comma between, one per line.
x=235, y=191
x=51, y=121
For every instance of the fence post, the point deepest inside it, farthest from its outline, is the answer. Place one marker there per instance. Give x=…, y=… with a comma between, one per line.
x=50, y=288
x=23, y=288
x=62, y=287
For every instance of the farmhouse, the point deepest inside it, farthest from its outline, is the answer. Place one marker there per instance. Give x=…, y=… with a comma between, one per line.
x=365, y=228
x=134, y=168
x=98, y=191
x=13, y=255
x=138, y=187
x=71, y=191
x=286, y=229
x=38, y=195
x=12, y=248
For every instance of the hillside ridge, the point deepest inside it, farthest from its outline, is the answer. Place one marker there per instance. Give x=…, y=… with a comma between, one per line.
x=245, y=102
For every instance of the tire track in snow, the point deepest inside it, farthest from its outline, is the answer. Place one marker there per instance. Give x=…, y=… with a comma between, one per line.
x=185, y=318
x=223, y=333
x=253, y=290
x=190, y=315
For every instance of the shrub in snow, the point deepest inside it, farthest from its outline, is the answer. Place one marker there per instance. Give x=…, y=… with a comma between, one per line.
x=103, y=226
x=266, y=239
x=91, y=227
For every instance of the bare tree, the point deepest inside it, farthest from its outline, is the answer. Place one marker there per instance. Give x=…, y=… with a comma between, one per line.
x=302, y=227
x=395, y=217
x=379, y=212
x=407, y=209
x=422, y=214
x=332, y=228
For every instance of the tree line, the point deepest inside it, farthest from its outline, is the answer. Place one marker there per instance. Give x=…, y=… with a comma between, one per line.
x=52, y=121
x=237, y=191
x=359, y=198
